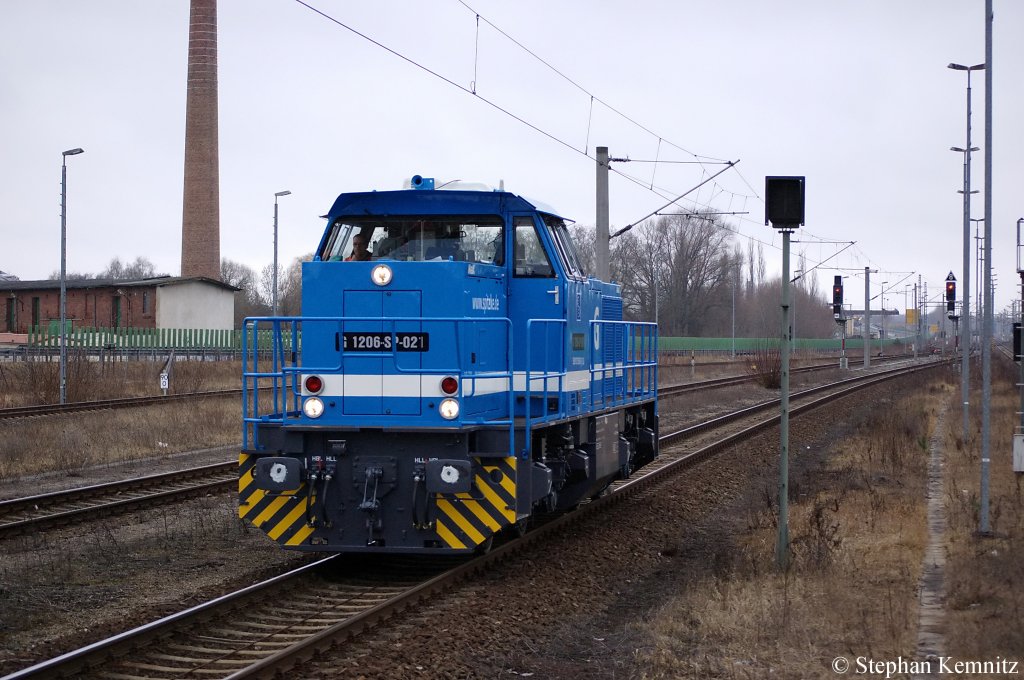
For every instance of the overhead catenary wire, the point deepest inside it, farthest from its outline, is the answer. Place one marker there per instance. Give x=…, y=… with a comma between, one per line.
x=633, y=224
x=649, y=186
x=474, y=91
x=583, y=89
x=702, y=158
x=439, y=76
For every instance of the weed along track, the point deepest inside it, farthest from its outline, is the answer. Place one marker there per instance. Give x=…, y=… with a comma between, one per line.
x=277, y=625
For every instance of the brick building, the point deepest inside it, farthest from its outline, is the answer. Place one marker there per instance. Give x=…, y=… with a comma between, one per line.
x=161, y=302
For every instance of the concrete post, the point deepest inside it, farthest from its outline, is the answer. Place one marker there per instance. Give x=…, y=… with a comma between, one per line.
x=601, y=238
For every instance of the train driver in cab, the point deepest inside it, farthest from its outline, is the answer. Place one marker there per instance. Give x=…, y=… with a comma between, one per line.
x=359, y=248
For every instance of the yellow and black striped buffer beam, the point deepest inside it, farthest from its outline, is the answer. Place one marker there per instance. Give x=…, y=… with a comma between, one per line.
x=466, y=520
x=280, y=516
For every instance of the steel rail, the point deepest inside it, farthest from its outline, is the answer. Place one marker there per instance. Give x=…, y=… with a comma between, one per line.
x=27, y=513
x=103, y=404
x=331, y=633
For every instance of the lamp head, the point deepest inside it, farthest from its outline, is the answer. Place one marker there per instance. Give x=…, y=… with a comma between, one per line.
x=73, y=152
x=961, y=67
x=283, y=193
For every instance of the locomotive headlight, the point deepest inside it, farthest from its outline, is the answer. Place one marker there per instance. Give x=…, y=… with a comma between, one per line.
x=313, y=407
x=449, y=409
x=381, y=275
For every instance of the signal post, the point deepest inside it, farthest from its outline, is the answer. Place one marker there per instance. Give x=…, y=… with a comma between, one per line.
x=837, y=314
x=784, y=209
x=951, y=310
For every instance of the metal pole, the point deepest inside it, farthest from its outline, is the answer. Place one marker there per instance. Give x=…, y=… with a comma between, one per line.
x=63, y=271
x=274, y=284
x=867, y=317
x=965, y=363
x=978, y=269
x=278, y=195
x=63, y=279
x=965, y=329
x=601, y=245
x=782, y=544
x=986, y=336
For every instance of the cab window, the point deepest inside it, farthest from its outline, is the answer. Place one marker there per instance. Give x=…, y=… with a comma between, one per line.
x=417, y=239
x=563, y=242
x=531, y=260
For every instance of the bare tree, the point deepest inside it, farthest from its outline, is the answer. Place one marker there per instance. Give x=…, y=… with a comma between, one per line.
x=700, y=265
x=289, y=301
x=247, y=300
x=583, y=238
x=141, y=268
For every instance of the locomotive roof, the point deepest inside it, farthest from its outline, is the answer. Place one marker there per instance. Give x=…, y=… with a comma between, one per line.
x=433, y=202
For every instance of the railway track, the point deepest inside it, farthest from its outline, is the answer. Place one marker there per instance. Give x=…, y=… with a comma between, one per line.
x=105, y=404
x=60, y=508
x=19, y=516
x=273, y=626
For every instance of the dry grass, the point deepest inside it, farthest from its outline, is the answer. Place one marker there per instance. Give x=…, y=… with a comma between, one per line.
x=858, y=532
x=985, y=576
x=66, y=443
x=76, y=441
x=26, y=383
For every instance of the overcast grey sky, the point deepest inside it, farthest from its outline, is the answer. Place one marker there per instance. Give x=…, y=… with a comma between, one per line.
x=853, y=94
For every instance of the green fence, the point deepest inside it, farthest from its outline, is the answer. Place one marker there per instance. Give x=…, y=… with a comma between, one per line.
x=144, y=338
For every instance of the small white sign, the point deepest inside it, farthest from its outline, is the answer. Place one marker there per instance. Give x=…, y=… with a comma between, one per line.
x=163, y=381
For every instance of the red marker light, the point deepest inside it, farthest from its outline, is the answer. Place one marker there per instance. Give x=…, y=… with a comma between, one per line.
x=314, y=384
x=449, y=385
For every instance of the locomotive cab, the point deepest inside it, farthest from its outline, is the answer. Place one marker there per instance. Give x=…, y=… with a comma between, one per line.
x=453, y=371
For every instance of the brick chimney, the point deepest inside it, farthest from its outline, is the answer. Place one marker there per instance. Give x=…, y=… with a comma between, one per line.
x=200, y=227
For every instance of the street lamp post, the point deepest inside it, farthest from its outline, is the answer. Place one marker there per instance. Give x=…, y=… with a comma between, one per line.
x=63, y=271
x=278, y=195
x=965, y=327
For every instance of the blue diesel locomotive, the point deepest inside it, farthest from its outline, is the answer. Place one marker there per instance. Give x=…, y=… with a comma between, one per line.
x=454, y=371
